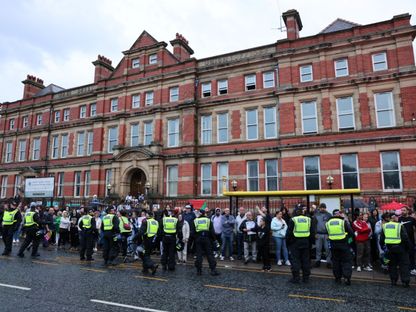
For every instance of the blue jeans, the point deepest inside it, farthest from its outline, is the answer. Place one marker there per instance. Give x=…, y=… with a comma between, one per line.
x=281, y=245
x=227, y=241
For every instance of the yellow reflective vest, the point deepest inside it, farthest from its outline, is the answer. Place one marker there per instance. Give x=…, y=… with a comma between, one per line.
x=169, y=225
x=152, y=227
x=202, y=224
x=8, y=217
x=392, y=233
x=336, y=229
x=29, y=221
x=302, y=226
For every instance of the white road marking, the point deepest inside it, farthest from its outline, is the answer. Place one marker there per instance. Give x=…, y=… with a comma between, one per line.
x=126, y=306
x=13, y=286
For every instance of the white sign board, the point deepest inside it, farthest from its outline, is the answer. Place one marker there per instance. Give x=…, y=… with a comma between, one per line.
x=39, y=187
x=332, y=203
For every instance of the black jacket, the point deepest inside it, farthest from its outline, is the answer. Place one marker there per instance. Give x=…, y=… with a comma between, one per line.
x=403, y=246
x=305, y=242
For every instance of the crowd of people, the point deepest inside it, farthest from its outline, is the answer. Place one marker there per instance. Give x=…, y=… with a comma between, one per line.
x=361, y=241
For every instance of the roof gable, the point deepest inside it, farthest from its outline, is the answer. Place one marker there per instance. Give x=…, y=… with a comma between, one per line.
x=337, y=25
x=144, y=40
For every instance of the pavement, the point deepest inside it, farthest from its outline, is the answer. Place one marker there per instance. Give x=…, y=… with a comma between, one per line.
x=59, y=281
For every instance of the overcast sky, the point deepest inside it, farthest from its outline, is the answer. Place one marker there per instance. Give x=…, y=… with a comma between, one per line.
x=57, y=40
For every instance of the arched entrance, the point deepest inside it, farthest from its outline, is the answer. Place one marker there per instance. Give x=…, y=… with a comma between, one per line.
x=137, y=182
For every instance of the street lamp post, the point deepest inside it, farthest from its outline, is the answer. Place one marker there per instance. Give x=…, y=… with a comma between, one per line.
x=109, y=186
x=234, y=185
x=147, y=187
x=330, y=181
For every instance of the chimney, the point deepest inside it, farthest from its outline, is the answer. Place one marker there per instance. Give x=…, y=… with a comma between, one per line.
x=32, y=86
x=181, y=48
x=103, y=68
x=293, y=24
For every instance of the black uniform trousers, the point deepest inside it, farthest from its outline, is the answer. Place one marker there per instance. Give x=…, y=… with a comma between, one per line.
x=300, y=259
x=110, y=247
x=8, y=231
x=341, y=259
x=124, y=241
x=31, y=237
x=148, y=245
x=86, y=240
x=169, y=247
x=398, y=257
x=203, y=245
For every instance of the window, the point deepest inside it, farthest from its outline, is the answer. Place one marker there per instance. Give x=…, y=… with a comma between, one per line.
x=390, y=165
x=64, y=145
x=206, y=129
x=135, y=63
x=8, y=155
x=80, y=143
x=90, y=142
x=222, y=174
x=148, y=133
x=384, y=110
x=379, y=61
x=153, y=58
x=83, y=111
x=22, y=150
x=60, y=188
x=149, y=98
x=77, y=183
x=309, y=118
x=222, y=124
x=66, y=114
x=341, y=67
x=312, y=173
x=36, y=149
x=25, y=122
x=349, y=168
x=135, y=101
x=38, y=119
x=252, y=175
x=206, y=179
x=268, y=79
x=250, y=82
x=55, y=146
x=57, y=117
x=251, y=123
x=174, y=94
x=306, y=73
x=108, y=180
x=17, y=183
x=87, y=182
x=114, y=105
x=172, y=181
x=112, y=138
x=11, y=124
x=270, y=129
x=271, y=175
x=206, y=89
x=93, y=110
x=3, y=192
x=345, y=110
x=173, y=132
x=134, y=135
x=222, y=86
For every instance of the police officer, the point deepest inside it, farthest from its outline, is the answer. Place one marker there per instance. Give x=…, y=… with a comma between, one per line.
x=125, y=231
x=148, y=239
x=31, y=224
x=394, y=236
x=170, y=229
x=110, y=227
x=86, y=236
x=338, y=233
x=203, y=231
x=11, y=221
x=300, y=236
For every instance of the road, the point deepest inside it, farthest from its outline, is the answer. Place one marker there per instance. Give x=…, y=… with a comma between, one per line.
x=58, y=281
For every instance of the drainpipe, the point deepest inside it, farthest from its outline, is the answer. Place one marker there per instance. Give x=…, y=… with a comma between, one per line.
x=48, y=141
x=279, y=154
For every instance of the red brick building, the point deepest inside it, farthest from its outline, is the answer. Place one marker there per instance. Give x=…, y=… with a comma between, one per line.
x=284, y=116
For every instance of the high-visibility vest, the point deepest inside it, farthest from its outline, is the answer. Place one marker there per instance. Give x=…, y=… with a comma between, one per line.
x=86, y=221
x=29, y=221
x=392, y=233
x=108, y=222
x=302, y=226
x=124, y=220
x=152, y=227
x=8, y=217
x=336, y=229
x=202, y=224
x=169, y=225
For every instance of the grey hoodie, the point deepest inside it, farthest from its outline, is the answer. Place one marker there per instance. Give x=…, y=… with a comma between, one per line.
x=321, y=218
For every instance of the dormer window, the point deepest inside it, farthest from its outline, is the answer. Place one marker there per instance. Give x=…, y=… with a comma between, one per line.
x=135, y=63
x=153, y=59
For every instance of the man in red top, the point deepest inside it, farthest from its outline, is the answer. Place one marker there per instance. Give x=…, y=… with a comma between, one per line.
x=362, y=233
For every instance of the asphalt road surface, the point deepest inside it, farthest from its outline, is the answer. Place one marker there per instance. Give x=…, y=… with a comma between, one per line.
x=58, y=281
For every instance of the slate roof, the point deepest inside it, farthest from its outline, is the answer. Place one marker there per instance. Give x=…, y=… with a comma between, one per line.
x=337, y=25
x=49, y=89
